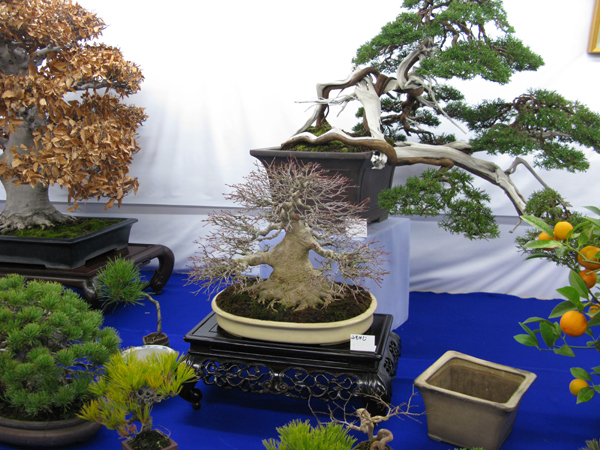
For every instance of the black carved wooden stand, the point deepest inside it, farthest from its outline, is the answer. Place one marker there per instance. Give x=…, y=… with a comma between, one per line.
x=328, y=373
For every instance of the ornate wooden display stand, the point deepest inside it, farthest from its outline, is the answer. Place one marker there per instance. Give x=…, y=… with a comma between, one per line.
x=82, y=277
x=299, y=371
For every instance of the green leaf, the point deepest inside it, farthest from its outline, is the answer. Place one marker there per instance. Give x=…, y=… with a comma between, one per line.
x=537, y=319
x=578, y=284
x=526, y=339
x=537, y=255
x=543, y=244
x=583, y=374
x=565, y=350
x=561, y=308
x=593, y=209
x=571, y=294
x=539, y=224
x=548, y=334
x=585, y=395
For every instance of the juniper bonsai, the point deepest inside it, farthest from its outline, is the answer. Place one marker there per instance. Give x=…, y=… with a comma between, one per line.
x=403, y=80
x=62, y=120
x=304, y=205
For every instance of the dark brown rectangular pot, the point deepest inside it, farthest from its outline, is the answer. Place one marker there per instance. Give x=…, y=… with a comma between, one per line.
x=365, y=181
x=65, y=253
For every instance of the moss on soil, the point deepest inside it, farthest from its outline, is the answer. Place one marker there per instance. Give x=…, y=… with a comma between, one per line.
x=355, y=302
x=82, y=225
x=149, y=440
x=332, y=146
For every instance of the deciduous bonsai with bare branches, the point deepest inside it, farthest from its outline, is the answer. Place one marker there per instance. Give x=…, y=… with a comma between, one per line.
x=62, y=120
x=304, y=206
x=400, y=79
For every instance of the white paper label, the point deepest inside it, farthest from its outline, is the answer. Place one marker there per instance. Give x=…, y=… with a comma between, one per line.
x=362, y=343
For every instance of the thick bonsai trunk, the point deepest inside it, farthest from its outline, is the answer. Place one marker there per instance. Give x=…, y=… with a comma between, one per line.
x=26, y=206
x=294, y=282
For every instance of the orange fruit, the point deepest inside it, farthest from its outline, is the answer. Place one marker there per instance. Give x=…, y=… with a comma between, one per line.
x=545, y=237
x=561, y=229
x=589, y=277
x=586, y=255
x=573, y=323
x=594, y=308
x=576, y=385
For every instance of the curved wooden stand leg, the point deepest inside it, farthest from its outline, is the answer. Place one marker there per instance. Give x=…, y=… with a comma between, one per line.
x=166, y=262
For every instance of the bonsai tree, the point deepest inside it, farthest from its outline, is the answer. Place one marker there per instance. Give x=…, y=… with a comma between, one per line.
x=298, y=435
x=302, y=204
x=403, y=80
x=52, y=348
x=128, y=390
x=62, y=120
x=120, y=281
x=574, y=247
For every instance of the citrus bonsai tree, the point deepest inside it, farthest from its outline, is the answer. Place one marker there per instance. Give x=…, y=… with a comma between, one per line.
x=572, y=246
x=305, y=206
x=62, y=119
x=403, y=79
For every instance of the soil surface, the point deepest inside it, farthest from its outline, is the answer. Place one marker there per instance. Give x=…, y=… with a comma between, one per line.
x=83, y=225
x=149, y=440
x=353, y=303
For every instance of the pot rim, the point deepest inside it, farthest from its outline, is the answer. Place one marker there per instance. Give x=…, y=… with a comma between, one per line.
x=295, y=325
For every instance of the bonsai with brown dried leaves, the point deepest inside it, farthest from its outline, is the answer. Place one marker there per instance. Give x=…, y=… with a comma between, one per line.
x=62, y=120
x=303, y=206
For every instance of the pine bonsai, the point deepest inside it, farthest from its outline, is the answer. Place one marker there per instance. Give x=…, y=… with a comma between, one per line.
x=62, y=120
x=403, y=79
x=120, y=281
x=52, y=348
x=302, y=204
x=129, y=389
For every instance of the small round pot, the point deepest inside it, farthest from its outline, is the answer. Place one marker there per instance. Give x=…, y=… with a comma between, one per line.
x=156, y=339
x=46, y=434
x=328, y=333
x=145, y=351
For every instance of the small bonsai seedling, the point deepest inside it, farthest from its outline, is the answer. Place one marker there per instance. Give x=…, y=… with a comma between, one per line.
x=302, y=205
x=52, y=347
x=128, y=390
x=120, y=282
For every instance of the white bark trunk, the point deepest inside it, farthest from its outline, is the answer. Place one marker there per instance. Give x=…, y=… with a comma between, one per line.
x=444, y=155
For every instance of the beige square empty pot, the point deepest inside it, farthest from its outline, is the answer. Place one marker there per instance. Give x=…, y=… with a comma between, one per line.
x=470, y=402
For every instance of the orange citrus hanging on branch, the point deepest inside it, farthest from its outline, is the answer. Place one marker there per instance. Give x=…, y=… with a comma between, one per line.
x=586, y=257
x=589, y=277
x=561, y=230
x=573, y=323
x=576, y=385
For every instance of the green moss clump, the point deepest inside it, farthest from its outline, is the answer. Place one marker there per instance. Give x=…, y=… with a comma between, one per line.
x=83, y=225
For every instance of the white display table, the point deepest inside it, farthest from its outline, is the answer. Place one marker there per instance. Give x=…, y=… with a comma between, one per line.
x=392, y=296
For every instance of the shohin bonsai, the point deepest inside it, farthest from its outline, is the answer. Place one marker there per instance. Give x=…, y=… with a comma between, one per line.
x=303, y=205
x=61, y=116
x=401, y=80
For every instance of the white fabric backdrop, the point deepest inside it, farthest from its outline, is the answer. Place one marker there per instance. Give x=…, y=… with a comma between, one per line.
x=224, y=77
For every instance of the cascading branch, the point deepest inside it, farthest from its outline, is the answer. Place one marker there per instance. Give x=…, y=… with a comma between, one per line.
x=62, y=119
x=403, y=81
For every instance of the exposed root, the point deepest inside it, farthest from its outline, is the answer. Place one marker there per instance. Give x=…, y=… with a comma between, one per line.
x=43, y=220
x=295, y=295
